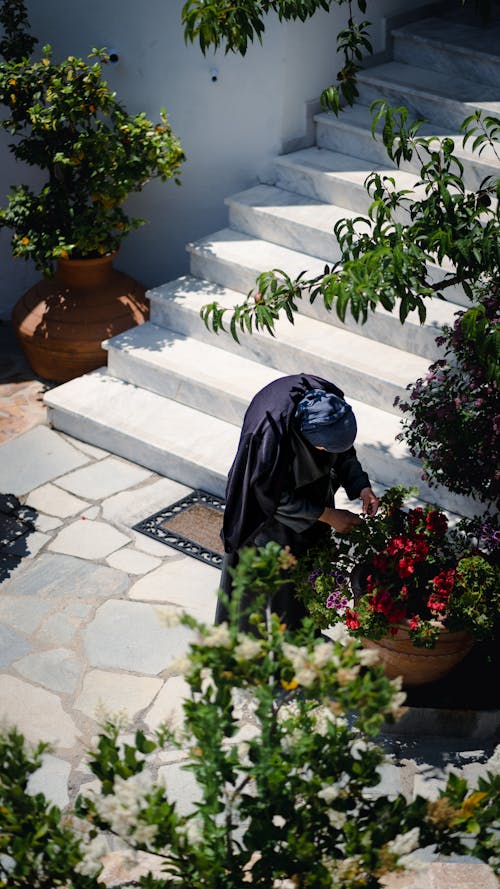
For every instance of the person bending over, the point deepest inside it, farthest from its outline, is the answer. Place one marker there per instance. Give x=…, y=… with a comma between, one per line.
x=295, y=451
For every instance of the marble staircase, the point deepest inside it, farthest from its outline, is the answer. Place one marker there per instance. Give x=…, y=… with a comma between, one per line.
x=173, y=395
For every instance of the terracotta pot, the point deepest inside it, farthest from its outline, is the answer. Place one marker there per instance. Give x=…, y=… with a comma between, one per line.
x=418, y=666
x=61, y=322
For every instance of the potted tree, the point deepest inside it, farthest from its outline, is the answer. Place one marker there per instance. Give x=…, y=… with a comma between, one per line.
x=92, y=154
x=408, y=586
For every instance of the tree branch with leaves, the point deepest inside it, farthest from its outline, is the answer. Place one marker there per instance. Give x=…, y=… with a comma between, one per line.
x=384, y=261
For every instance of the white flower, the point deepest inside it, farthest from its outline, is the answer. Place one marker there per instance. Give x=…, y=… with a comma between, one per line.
x=336, y=819
x=329, y=793
x=207, y=680
x=145, y=834
x=305, y=676
x=180, y=664
x=284, y=884
x=296, y=655
x=191, y=830
x=279, y=821
x=397, y=702
x=169, y=617
x=323, y=654
x=121, y=808
x=93, y=853
x=339, y=633
x=247, y=648
x=368, y=657
x=345, y=675
x=218, y=637
x=358, y=747
x=405, y=843
x=323, y=717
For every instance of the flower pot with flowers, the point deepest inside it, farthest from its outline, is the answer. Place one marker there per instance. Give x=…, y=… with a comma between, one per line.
x=92, y=153
x=409, y=586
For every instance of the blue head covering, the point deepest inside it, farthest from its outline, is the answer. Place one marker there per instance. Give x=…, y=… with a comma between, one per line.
x=326, y=421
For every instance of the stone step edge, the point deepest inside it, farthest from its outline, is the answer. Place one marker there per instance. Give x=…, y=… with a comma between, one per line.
x=371, y=416
x=370, y=77
x=406, y=33
x=265, y=211
x=357, y=122
x=192, y=287
x=304, y=260
x=65, y=415
x=86, y=425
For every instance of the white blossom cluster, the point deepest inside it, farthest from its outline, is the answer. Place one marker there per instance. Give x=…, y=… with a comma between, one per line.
x=248, y=648
x=217, y=636
x=122, y=809
x=93, y=853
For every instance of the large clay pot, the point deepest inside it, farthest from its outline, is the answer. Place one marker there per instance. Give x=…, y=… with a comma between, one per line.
x=61, y=322
x=400, y=657
x=418, y=666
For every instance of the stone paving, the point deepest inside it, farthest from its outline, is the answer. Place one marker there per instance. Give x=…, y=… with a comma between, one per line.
x=81, y=637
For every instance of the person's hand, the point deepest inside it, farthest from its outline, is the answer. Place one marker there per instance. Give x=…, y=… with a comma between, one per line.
x=341, y=519
x=370, y=501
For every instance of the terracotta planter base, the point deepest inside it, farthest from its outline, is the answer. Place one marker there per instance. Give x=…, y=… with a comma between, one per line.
x=61, y=322
x=418, y=666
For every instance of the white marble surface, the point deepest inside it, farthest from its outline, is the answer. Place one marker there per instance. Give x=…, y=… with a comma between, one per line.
x=452, y=48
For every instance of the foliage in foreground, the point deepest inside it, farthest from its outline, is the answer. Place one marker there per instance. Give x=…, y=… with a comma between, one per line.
x=290, y=804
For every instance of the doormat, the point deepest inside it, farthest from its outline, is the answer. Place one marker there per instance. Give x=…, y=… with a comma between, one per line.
x=191, y=525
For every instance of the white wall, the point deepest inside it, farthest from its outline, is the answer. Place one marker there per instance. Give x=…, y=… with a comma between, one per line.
x=230, y=130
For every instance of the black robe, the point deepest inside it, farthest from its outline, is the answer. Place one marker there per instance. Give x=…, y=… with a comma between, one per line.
x=279, y=485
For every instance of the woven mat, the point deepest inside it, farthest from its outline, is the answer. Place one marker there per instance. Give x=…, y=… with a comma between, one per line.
x=192, y=525
x=200, y=523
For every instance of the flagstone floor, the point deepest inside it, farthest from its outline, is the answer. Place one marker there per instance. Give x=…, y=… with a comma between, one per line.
x=80, y=634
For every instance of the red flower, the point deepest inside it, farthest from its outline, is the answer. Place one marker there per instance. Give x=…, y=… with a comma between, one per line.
x=436, y=523
x=396, y=545
x=351, y=619
x=435, y=604
x=396, y=614
x=414, y=622
x=405, y=567
x=444, y=582
x=415, y=516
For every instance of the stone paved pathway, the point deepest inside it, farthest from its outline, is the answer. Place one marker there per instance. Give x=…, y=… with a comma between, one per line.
x=80, y=634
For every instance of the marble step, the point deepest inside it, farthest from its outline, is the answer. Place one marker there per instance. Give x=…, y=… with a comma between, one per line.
x=372, y=372
x=339, y=178
x=450, y=47
x=234, y=260
x=427, y=94
x=196, y=449
x=159, y=433
x=350, y=133
x=299, y=223
x=289, y=219
x=199, y=375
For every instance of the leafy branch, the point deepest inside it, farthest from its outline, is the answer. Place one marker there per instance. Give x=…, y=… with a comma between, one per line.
x=385, y=262
x=235, y=23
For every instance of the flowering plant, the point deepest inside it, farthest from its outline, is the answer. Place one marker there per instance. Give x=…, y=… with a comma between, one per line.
x=289, y=803
x=406, y=566
x=451, y=418
x=67, y=122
